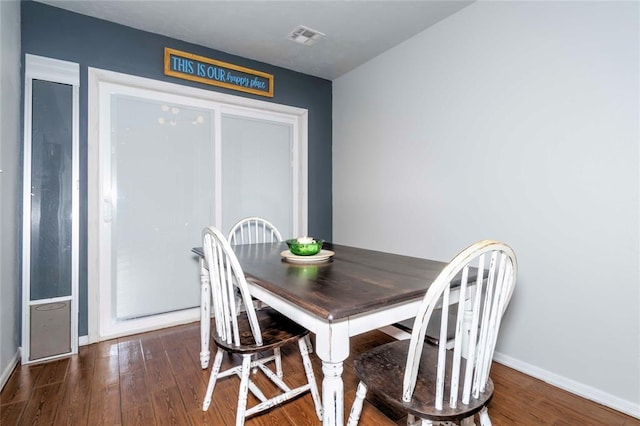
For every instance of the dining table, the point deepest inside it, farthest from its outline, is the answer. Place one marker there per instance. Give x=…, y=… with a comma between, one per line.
x=349, y=291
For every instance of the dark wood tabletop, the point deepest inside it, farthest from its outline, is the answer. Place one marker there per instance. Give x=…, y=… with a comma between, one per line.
x=355, y=280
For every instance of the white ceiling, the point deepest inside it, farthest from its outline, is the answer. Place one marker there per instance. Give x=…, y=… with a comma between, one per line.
x=356, y=31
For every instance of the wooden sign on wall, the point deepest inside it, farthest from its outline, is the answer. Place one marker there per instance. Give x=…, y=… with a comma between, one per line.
x=217, y=73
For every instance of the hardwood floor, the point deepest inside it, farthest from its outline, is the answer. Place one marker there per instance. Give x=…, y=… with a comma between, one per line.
x=155, y=379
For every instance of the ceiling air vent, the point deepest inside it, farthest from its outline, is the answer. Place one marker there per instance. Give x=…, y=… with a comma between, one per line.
x=304, y=35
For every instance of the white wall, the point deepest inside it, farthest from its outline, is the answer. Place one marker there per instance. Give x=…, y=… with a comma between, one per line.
x=516, y=121
x=9, y=178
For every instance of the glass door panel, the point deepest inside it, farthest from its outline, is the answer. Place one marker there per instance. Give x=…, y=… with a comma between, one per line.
x=161, y=197
x=257, y=171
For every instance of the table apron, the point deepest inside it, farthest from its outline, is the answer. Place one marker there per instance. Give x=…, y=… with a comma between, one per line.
x=302, y=317
x=362, y=323
x=357, y=323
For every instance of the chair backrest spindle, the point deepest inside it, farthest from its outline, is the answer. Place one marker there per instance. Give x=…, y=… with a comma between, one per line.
x=473, y=332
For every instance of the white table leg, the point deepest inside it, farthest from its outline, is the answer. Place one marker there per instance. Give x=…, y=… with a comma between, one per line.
x=467, y=319
x=332, y=394
x=205, y=315
x=332, y=347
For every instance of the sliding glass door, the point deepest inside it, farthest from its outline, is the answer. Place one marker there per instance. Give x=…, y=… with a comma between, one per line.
x=169, y=165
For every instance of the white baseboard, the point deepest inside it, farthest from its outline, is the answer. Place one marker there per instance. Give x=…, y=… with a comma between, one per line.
x=572, y=386
x=83, y=340
x=6, y=373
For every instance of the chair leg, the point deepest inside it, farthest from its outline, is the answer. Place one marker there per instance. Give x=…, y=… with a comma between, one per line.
x=411, y=420
x=467, y=422
x=278, y=362
x=356, y=408
x=238, y=302
x=255, y=358
x=215, y=369
x=244, y=390
x=484, y=417
x=414, y=421
x=307, y=339
x=311, y=379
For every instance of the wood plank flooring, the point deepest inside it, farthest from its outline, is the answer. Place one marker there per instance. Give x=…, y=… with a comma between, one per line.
x=155, y=379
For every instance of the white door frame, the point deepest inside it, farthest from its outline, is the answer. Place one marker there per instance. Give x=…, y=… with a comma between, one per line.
x=98, y=78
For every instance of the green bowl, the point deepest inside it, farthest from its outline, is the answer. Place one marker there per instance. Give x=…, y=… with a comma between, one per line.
x=308, y=249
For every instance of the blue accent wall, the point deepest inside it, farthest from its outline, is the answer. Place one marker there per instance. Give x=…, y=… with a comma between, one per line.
x=60, y=34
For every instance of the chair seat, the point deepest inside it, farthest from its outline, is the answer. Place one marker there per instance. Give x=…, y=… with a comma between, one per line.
x=277, y=330
x=382, y=370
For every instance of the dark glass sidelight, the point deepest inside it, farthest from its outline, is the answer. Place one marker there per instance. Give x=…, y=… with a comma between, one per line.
x=51, y=190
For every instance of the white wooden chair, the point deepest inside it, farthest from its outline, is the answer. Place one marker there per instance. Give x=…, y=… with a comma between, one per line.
x=254, y=230
x=443, y=385
x=248, y=333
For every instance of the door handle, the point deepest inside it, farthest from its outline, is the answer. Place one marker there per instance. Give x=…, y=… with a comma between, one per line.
x=107, y=209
